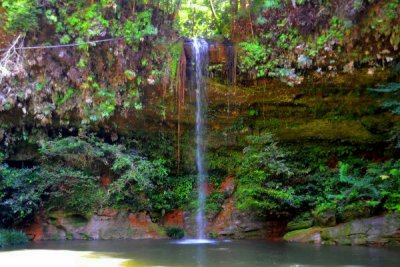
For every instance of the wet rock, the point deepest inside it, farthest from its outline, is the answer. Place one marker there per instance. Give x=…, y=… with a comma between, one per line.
x=376, y=231
x=108, y=212
x=217, y=53
x=107, y=224
x=233, y=223
x=173, y=218
x=75, y=76
x=311, y=235
x=105, y=180
x=297, y=225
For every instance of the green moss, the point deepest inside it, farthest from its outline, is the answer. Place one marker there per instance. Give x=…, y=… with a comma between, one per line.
x=298, y=225
x=351, y=131
x=304, y=235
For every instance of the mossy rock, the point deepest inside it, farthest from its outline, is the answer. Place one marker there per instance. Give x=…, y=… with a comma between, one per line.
x=377, y=124
x=355, y=211
x=310, y=235
x=325, y=218
x=297, y=225
x=350, y=131
x=377, y=231
x=70, y=216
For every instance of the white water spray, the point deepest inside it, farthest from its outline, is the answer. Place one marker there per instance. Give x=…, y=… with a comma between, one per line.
x=200, y=50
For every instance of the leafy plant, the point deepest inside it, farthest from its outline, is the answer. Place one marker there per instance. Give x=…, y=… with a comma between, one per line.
x=264, y=178
x=175, y=232
x=252, y=58
x=393, y=91
x=9, y=237
x=20, y=194
x=21, y=15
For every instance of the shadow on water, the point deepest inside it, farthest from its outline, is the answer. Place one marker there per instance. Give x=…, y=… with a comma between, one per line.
x=158, y=253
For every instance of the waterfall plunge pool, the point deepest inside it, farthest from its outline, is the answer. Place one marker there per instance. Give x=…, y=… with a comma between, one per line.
x=167, y=253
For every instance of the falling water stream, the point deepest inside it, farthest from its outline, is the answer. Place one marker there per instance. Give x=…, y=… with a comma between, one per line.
x=200, y=51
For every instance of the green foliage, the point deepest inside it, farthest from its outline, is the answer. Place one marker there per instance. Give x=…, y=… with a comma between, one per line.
x=381, y=22
x=21, y=15
x=71, y=167
x=86, y=22
x=183, y=190
x=392, y=101
x=175, y=232
x=336, y=32
x=271, y=4
x=196, y=19
x=20, y=194
x=252, y=58
x=72, y=190
x=387, y=88
x=214, y=203
x=264, y=178
x=359, y=188
x=77, y=163
x=79, y=21
x=135, y=31
x=391, y=189
x=137, y=182
x=176, y=51
x=9, y=237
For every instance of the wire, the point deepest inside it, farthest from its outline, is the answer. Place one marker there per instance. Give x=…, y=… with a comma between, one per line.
x=62, y=45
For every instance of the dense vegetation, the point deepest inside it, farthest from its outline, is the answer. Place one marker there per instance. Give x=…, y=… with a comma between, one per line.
x=12, y=237
x=70, y=107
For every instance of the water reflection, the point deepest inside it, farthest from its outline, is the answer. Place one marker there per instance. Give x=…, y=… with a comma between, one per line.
x=200, y=256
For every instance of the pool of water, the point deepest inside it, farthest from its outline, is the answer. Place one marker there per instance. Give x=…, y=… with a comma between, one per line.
x=157, y=253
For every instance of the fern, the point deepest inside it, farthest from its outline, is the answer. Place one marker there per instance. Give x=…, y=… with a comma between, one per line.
x=392, y=104
x=387, y=88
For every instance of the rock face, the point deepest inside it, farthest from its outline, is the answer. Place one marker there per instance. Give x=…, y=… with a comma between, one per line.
x=108, y=224
x=233, y=223
x=376, y=231
x=173, y=218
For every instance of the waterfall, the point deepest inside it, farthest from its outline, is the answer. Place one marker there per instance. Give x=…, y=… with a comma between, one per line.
x=200, y=51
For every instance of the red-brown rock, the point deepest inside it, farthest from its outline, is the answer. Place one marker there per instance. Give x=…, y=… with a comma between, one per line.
x=228, y=186
x=105, y=180
x=173, y=218
x=35, y=230
x=108, y=212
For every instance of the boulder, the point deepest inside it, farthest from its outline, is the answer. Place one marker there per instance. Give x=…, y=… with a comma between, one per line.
x=234, y=223
x=107, y=224
x=375, y=231
x=297, y=225
x=310, y=235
